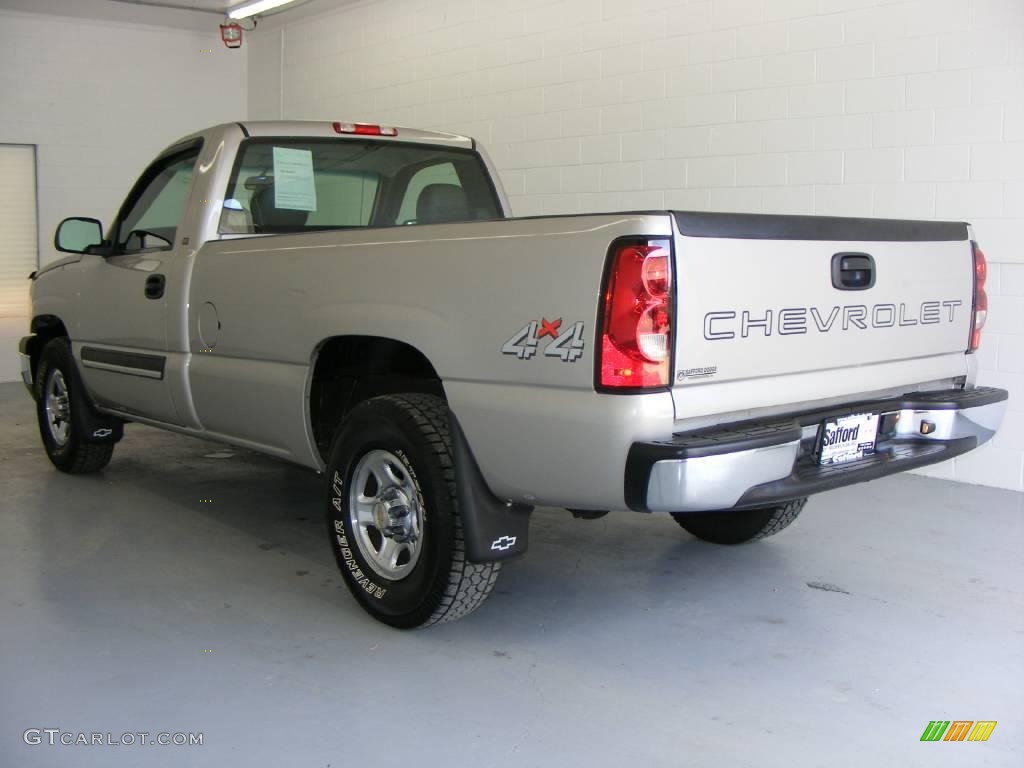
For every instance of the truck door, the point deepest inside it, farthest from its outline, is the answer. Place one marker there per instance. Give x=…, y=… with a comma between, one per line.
x=121, y=342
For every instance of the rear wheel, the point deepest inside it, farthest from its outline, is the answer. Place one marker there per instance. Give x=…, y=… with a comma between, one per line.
x=740, y=526
x=57, y=396
x=393, y=516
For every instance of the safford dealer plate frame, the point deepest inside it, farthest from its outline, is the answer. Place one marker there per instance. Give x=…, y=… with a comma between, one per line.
x=847, y=438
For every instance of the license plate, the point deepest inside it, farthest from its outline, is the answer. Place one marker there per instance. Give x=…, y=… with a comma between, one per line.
x=848, y=438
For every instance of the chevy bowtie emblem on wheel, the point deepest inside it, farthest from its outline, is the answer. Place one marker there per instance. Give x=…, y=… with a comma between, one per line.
x=503, y=543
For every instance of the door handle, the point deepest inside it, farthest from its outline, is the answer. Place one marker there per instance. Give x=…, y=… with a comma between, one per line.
x=853, y=271
x=155, y=286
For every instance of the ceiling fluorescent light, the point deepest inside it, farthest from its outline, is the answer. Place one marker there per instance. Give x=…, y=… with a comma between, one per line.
x=245, y=10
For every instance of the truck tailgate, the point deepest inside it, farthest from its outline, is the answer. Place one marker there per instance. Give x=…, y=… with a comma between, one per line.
x=856, y=303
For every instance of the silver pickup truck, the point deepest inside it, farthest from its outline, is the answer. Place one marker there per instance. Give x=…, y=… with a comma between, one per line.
x=356, y=299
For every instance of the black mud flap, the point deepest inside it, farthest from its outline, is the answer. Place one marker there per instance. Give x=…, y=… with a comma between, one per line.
x=92, y=426
x=494, y=529
x=97, y=428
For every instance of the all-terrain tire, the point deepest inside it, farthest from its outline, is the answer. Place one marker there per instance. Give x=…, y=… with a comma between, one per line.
x=740, y=526
x=408, y=436
x=57, y=384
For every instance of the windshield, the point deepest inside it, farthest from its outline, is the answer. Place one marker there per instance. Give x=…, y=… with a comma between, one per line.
x=300, y=185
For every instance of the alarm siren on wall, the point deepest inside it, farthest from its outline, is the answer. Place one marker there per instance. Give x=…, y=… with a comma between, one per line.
x=231, y=30
x=231, y=34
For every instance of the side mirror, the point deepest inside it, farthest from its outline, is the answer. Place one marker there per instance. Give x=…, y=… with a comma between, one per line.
x=77, y=235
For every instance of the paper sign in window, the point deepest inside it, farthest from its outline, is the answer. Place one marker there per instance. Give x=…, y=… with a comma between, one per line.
x=294, y=187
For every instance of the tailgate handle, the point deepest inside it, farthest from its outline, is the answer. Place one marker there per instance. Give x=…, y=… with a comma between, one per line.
x=853, y=271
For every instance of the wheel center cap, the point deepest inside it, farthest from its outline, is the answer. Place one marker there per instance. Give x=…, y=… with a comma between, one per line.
x=393, y=515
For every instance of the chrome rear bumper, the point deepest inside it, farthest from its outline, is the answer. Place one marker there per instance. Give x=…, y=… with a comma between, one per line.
x=764, y=462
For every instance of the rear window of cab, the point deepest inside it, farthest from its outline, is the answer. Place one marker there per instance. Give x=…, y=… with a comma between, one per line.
x=301, y=185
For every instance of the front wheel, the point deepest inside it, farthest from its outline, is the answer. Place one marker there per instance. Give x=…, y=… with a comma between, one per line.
x=740, y=526
x=57, y=396
x=393, y=516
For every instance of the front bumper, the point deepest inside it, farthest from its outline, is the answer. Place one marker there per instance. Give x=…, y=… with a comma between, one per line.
x=759, y=463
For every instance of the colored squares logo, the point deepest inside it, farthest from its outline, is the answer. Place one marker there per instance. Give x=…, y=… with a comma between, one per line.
x=958, y=730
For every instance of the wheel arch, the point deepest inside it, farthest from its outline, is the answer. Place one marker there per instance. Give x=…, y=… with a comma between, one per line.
x=44, y=328
x=349, y=369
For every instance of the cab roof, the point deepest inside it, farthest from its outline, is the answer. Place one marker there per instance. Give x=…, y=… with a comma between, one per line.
x=327, y=129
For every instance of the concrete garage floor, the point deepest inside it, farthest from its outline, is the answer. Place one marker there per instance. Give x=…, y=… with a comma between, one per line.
x=127, y=604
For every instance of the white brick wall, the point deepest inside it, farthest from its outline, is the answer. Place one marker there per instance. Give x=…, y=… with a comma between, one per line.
x=850, y=107
x=100, y=99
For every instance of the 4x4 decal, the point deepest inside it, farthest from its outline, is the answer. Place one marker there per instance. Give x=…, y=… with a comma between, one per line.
x=567, y=346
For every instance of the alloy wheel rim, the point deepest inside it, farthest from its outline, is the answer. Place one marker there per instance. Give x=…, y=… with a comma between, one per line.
x=58, y=407
x=386, y=512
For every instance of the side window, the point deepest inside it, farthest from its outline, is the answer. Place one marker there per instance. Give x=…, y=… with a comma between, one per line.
x=414, y=203
x=152, y=218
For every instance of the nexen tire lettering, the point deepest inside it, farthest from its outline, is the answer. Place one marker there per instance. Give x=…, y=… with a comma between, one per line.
x=790, y=321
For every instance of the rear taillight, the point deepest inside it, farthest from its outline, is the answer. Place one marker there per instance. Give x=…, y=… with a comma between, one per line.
x=635, y=342
x=980, y=313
